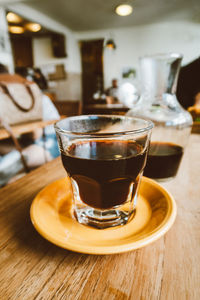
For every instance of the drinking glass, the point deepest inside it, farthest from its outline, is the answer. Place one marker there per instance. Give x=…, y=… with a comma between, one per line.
x=104, y=156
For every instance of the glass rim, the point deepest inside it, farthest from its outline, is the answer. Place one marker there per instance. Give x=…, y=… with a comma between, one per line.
x=149, y=126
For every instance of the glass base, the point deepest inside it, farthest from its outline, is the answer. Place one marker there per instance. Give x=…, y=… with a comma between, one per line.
x=103, y=219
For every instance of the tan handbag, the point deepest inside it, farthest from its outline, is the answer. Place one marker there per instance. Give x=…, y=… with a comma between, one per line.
x=20, y=100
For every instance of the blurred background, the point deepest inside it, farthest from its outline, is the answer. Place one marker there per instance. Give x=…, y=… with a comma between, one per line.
x=69, y=40
x=84, y=54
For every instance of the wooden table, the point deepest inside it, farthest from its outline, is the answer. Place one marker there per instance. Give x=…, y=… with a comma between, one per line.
x=168, y=269
x=117, y=108
x=25, y=128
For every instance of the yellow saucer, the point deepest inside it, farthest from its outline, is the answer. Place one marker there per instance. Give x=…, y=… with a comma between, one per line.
x=51, y=215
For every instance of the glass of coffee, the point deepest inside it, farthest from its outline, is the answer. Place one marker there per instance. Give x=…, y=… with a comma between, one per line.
x=104, y=156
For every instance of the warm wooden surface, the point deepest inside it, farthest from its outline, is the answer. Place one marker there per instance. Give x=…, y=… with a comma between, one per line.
x=25, y=128
x=68, y=108
x=168, y=269
x=196, y=127
x=117, y=108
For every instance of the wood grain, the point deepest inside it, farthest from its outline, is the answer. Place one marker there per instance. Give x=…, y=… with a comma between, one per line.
x=32, y=268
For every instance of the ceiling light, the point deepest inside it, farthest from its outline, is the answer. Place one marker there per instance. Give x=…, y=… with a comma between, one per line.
x=124, y=10
x=35, y=27
x=13, y=18
x=16, y=29
x=110, y=44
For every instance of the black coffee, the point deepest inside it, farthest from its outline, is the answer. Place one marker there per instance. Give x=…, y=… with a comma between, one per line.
x=163, y=160
x=105, y=171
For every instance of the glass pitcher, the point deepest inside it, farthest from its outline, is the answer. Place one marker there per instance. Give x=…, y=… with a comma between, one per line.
x=158, y=103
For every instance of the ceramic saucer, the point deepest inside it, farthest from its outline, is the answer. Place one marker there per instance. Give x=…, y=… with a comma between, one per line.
x=51, y=215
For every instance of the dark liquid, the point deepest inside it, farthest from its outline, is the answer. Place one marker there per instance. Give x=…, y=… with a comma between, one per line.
x=163, y=160
x=105, y=171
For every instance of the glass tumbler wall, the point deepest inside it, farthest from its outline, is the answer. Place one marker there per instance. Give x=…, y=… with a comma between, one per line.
x=104, y=157
x=158, y=103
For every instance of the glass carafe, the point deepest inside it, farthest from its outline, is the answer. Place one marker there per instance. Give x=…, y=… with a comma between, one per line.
x=159, y=104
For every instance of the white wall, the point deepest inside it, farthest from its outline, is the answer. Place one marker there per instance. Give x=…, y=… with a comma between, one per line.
x=67, y=89
x=5, y=52
x=133, y=42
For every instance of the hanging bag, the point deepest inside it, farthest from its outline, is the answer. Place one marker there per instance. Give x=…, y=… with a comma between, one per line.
x=20, y=100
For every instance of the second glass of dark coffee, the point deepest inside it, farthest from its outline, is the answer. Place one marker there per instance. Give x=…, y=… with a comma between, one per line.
x=104, y=157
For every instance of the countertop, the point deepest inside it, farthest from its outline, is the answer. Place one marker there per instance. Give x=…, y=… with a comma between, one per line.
x=33, y=268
